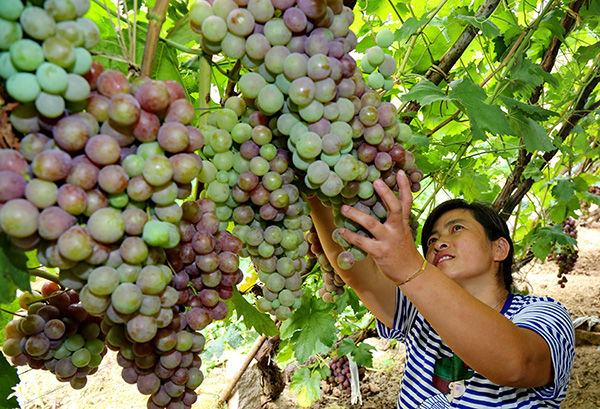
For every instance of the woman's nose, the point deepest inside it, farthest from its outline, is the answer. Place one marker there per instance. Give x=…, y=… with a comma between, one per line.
x=440, y=245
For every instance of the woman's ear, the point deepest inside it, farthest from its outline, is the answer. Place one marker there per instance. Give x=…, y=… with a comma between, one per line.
x=502, y=248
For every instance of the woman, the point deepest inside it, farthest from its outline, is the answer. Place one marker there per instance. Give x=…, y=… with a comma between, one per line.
x=470, y=342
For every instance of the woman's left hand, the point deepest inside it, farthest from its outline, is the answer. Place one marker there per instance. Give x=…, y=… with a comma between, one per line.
x=392, y=246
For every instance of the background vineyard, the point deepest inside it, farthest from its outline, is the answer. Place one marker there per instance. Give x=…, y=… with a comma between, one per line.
x=503, y=101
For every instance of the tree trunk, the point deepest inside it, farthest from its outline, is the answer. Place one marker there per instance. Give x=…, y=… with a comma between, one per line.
x=273, y=382
x=509, y=202
x=548, y=61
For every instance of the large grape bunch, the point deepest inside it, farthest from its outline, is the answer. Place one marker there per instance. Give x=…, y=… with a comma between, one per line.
x=44, y=55
x=100, y=205
x=57, y=334
x=302, y=93
x=252, y=184
x=565, y=256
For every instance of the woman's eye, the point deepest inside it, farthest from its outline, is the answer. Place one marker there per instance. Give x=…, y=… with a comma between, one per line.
x=431, y=241
x=456, y=227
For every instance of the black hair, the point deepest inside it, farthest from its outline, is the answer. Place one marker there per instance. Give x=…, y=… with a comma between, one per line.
x=488, y=218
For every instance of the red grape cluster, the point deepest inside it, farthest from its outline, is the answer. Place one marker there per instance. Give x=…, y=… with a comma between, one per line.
x=100, y=205
x=565, y=256
x=44, y=56
x=57, y=335
x=340, y=372
x=595, y=190
x=167, y=366
x=206, y=263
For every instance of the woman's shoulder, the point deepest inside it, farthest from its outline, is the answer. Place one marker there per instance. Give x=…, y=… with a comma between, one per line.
x=533, y=305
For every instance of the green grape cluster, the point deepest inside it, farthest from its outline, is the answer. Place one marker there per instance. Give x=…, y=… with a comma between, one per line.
x=57, y=334
x=251, y=181
x=379, y=65
x=44, y=54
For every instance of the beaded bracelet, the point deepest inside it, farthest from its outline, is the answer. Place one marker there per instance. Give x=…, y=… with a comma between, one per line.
x=414, y=275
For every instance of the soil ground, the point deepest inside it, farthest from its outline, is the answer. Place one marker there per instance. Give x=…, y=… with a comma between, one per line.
x=379, y=388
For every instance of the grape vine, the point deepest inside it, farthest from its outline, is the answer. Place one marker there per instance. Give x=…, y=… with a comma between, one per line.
x=144, y=204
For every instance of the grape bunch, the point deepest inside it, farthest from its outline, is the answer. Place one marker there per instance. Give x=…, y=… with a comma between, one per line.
x=206, y=263
x=44, y=56
x=100, y=205
x=595, y=190
x=340, y=372
x=302, y=93
x=565, y=256
x=379, y=65
x=166, y=367
x=57, y=335
x=251, y=182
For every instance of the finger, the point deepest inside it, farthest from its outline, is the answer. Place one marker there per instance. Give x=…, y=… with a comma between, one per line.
x=404, y=194
x=388, y=197
x=366, y=221
x=364, y=243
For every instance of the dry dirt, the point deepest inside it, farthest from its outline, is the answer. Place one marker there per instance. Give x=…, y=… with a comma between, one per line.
x=379, y=388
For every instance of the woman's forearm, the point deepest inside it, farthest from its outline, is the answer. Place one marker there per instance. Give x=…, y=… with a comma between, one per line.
x=486, y=340
x=375, y=290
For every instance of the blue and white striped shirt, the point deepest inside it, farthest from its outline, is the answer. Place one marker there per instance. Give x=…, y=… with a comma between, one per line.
x=424, y=346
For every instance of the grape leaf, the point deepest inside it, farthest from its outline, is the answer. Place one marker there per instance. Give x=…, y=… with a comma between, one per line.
x=541, y=248
x=489, y=29
x=216, y=347
x=363, y=355
x=8, y=379
x=586, y=53
x=425, y=92
x=311, y=328
x=13, y=271
x=349, y=298
x=488, y=117
x=534, y=112
x=534, y=135
x=409, y=27
x=306, y=385
x=347, y=346
x=252, y=317
x=563, y=190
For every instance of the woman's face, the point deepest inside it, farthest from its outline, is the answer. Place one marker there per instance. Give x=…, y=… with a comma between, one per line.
x=460, y=248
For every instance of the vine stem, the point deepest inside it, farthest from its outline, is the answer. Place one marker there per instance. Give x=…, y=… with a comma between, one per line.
x=167, y=41
x=413, y=41
x=530, y=30
x=448, y=173
x=12, y=313
x=36, y=272
x=204, y=76
x=395, y=10
x=156, y=17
